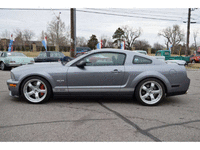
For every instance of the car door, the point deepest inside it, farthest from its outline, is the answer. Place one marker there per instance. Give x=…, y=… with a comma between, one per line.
x=103, y=72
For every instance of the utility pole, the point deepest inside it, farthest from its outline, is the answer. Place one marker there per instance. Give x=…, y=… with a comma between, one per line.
x=73, y=32
x=188, y=32
x=57, y=38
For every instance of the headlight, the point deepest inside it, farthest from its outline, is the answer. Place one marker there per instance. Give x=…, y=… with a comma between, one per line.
x=32, y=61
x=12, y=76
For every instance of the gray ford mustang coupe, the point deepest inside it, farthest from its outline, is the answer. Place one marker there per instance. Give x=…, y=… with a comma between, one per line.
x=101, y=72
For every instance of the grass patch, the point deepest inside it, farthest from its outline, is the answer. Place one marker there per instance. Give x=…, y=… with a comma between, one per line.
x=35, y=54
x=193, y=66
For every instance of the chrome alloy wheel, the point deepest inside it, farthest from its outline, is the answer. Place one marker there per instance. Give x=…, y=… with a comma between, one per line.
x=151, y=92
x=35, y=90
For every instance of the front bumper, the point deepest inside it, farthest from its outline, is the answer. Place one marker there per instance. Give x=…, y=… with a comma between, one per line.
x=13, y=88
x=17, y=65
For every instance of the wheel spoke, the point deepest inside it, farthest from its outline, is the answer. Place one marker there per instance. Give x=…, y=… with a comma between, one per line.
x=42, y=91
x=31, y=93
x=144, y=88
x=152, y=85
x=31, y=86
x=38, y=84
x=156, y=91
x=145, y=96
x=37, y=95
x=152, y=97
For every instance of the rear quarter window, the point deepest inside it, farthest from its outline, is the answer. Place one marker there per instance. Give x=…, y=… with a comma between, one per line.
x=141, y=60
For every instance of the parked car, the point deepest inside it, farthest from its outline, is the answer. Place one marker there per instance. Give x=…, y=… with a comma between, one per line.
x=167, y=54
x=49, y=56
x=14, y=59
x=125, y=73
x=195, y=58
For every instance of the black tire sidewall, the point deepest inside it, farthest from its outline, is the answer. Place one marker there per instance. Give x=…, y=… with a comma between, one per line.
x=137, y=90
x=45, y=82
x=3, y=65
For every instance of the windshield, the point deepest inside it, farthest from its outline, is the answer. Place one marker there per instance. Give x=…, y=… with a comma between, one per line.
x=15, y=54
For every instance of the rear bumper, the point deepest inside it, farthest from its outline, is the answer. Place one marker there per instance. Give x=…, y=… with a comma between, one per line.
x=180, y=89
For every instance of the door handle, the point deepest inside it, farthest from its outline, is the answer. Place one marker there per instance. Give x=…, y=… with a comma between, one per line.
x=115, y=71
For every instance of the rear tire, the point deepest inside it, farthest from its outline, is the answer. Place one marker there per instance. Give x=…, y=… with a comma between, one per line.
x=150, y=92
x=193, y=61
x=36, y=90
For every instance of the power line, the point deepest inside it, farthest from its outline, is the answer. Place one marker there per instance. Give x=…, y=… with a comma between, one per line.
x=94, y=12
x=63, y=9
x=123, y=15
x=130, y=12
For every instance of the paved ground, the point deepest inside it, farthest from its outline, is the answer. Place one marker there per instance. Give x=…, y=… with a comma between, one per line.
x=98, y=119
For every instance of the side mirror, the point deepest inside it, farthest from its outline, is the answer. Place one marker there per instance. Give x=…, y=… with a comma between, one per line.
x=81, y=64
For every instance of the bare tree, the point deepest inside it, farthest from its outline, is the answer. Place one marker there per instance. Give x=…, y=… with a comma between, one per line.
x=195, y=34
x=107, y=41
x=158, y=46
x=141, y=45
x=18, y=38
x=5, y=34
x=28, y=35
x=130, y=35
x=56, y=33
x=174, y=35
x=81, y=41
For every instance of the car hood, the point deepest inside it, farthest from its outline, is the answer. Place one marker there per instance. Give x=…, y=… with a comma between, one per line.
x=37, y=67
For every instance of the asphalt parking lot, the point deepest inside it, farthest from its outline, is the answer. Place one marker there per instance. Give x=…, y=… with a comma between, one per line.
x=101, y=119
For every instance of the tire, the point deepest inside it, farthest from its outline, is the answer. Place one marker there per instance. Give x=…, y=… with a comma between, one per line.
x=150, y=92
x=3, y=66
x=36, y=90
x=193, y=61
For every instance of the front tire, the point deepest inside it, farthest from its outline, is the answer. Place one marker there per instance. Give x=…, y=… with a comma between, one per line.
x=150, y=92
x=3, y=66
x=36, y=90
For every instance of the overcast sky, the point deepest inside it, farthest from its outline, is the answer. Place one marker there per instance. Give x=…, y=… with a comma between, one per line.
x=151, y=20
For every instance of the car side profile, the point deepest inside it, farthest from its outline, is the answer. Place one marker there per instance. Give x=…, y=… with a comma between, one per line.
x=101, y=72
x=13, y=59
x=49, y=56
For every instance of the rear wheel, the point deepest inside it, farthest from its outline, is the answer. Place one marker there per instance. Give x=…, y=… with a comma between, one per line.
x=150, y=92
x=193, y=61
x=35, y=90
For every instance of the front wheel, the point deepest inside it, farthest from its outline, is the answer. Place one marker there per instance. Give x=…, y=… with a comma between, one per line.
x=35, y=90
x=3, y=66
x=150, y=92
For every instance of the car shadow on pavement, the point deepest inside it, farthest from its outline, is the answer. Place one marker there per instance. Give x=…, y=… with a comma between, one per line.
x=169, y=101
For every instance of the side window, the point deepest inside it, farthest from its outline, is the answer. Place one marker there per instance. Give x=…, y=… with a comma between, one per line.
x=3, y=54
x=141, y=60
x=158, y=54
x=166, y=53
x=43, y=54
x=105, y=59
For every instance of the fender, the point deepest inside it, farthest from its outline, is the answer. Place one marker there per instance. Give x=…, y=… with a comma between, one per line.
x=150, y=74
x=41, y=74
